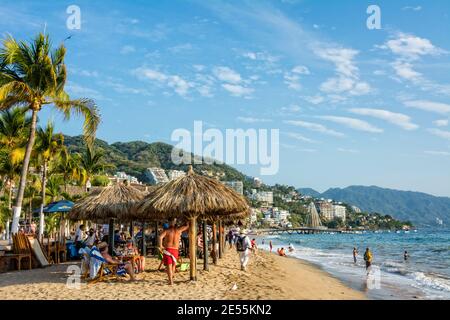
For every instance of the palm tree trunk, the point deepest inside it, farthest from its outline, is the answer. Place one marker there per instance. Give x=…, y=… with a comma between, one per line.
x=24, y=173
x=41, y=212
x=10, y=207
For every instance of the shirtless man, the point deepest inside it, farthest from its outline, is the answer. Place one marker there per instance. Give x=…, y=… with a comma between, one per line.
x=172, y=242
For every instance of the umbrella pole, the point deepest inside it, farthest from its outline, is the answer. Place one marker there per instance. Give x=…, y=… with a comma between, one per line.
x=214, y=239
x=192, y=245
x=220, y=239
x=205, y=246
x=111, y=236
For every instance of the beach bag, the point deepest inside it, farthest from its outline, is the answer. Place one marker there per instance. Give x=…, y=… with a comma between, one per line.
x=240, y=244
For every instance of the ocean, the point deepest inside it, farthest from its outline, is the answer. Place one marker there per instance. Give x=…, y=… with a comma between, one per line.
x=425, y=275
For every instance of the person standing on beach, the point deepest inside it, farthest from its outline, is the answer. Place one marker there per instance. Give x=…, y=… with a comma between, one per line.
x=79, y=237
x=243, y=247
x=355, y=254
x=368, y=258
x=270, y=246
x=172, y=240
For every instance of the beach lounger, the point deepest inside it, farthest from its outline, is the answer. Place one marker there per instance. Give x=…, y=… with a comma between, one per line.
x=85, y=261
x=21, y=250
x=100, y=270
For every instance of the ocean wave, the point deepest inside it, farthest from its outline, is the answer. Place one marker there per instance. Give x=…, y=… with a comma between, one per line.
x=433, y=282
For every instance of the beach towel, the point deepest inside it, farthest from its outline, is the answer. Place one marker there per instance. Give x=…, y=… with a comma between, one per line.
x=85, y=262
x=170, y=257
x=96, y=262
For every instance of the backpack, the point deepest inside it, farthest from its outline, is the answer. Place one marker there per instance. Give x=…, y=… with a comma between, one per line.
x=240, y=244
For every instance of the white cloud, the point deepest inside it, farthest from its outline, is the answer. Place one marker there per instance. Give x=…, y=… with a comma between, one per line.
x=405, y=70
x=352, y=123
x=175, y=82
x=347, y=150
x=237, y=90
x=347, y=78
x=180, y=48
x=80, y=91
x=292, y=78
x=252, y=120
x=397, y=119
x=314, y=127
x=418, y=8
x=127, y=49
x=293, y=108
x=430, y=106
x=314, y=99
x=411, y=47
x=300, y=137
x=227, y=75
x=438, y=153
x=300, y=70
x=441, y=123
x=440, y=133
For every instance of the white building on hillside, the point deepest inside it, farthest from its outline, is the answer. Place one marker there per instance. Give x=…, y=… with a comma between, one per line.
x=339, y=212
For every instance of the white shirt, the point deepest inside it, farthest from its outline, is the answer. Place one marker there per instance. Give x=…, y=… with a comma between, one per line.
x=79, y=235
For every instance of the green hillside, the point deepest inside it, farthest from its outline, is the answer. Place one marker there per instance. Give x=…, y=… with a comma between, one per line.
x=135, y=156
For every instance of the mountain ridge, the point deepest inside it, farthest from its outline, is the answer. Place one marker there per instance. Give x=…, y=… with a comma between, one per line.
x=419, y=207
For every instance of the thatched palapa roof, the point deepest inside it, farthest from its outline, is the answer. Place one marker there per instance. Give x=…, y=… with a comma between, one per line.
x=191, y=196
x=115, y=201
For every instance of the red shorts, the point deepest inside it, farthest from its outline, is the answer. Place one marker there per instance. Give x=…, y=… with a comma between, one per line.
x=167, y=260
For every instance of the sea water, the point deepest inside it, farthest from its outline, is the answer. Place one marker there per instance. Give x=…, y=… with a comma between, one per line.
x=424, y=275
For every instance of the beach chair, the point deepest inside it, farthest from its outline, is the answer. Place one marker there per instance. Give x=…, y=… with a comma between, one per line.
x=21, y=250
x=61, y=250
x=85, y=261
x=99, y=269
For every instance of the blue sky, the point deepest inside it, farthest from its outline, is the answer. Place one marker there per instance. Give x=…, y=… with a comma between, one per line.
x=353, y=105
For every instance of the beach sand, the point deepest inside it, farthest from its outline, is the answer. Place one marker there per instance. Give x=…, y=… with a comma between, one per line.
x=268, y=277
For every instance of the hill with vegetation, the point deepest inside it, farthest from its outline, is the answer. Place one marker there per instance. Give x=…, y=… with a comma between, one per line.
x=420, y=208
x=136, y=156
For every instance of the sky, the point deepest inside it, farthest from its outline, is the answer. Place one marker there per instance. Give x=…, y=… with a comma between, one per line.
x=353, y=105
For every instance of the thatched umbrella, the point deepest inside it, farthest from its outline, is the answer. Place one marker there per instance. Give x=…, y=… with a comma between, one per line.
x=112, y=202
x=191, y=196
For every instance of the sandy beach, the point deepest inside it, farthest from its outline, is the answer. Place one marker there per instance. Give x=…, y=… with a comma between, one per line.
x=268, y=277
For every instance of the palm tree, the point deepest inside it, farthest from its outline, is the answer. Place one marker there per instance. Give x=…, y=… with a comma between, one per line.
x=32, y=75
x=47, y=146
x=53, y=191
x=67, y=166
x=91, y=163
x=13, y=127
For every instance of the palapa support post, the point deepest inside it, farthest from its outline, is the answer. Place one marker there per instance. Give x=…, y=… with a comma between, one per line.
x=143, y=247
x=131, y=229
x=214, y=242
x=205, y=246
x=111, y=236
x=192, y=247
x=155, y=251
x=220, y=240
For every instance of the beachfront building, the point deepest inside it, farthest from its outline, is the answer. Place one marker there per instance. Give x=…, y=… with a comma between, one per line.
x=257, y=182
x=156, y=175
x=265, y=197
x=326, y=209
x=339, y=212
x=237, y=186
x=120, y=175
x=174, y=174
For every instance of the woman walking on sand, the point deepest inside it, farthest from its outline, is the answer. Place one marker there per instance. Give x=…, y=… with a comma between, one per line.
x=270, y=246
